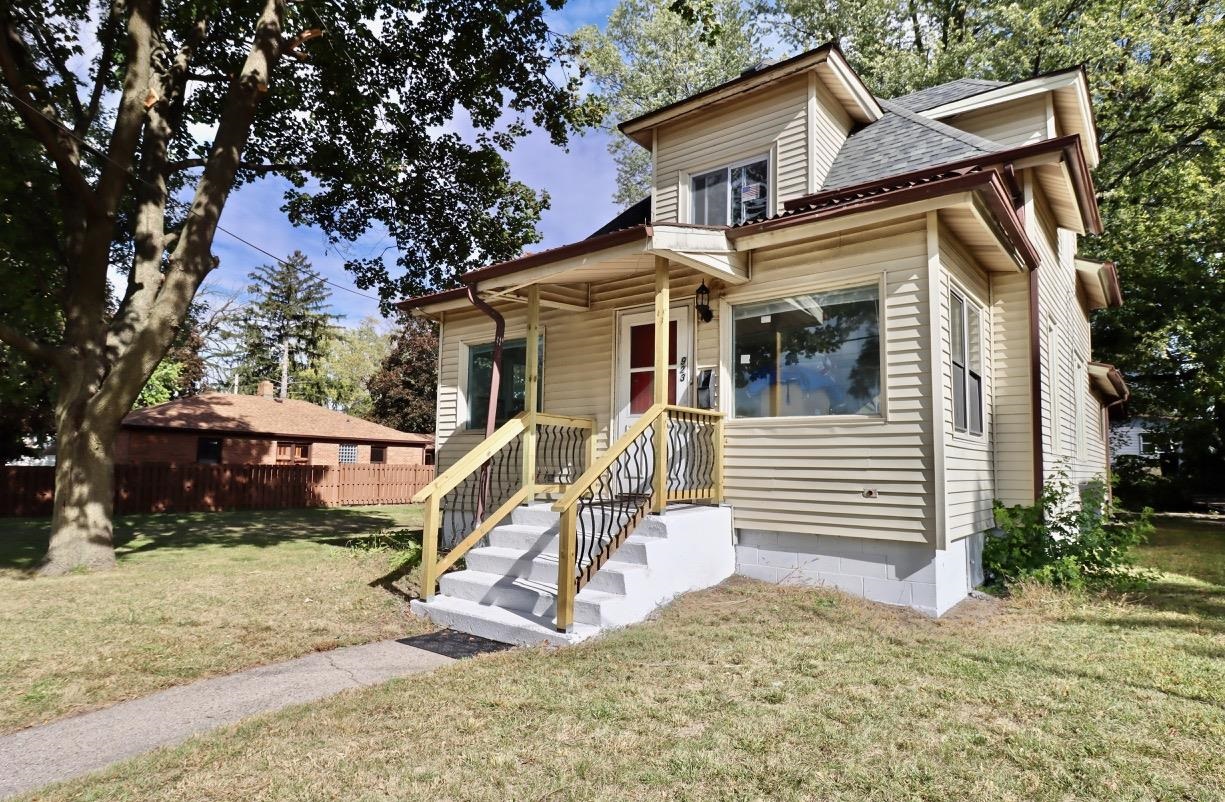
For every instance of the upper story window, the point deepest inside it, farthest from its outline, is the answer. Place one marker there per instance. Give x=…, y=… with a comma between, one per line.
x=732, y=194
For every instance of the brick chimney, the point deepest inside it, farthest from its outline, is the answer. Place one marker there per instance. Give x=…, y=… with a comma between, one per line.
x=266, y=389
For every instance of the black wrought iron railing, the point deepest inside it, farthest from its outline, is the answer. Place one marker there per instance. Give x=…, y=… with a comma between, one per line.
x=529, y=454
x=670, y=454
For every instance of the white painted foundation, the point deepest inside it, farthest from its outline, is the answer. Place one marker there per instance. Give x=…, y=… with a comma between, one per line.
x=907, y=574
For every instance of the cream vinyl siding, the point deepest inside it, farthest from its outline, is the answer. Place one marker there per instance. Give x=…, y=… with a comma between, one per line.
x=773, y=121
x=969, y=472
x=1011, y=124
x=1065, y=329
x=1011, y=408
x=807, y=475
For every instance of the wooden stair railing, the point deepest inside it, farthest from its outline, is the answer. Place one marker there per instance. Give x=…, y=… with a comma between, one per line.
x=670, y=453
x=532, y=453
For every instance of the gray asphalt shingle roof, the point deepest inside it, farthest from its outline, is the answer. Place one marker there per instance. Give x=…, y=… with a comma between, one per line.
x=900, y=142
x=934, y=96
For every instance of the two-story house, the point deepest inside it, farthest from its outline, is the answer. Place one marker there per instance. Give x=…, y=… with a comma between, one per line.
x=838, y=329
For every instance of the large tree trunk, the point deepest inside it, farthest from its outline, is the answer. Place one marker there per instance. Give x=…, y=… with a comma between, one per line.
x=81, y=518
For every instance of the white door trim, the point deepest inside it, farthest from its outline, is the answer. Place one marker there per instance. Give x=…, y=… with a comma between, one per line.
x=682, y=313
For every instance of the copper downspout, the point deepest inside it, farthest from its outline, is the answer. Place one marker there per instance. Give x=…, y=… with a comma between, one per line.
x=495, y=385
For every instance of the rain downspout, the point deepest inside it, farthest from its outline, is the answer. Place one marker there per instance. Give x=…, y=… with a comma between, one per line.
x=495, y=383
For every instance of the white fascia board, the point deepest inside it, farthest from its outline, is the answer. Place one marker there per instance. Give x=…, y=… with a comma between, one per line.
x=864, y=98
x=705, y=250
x=1004, y=94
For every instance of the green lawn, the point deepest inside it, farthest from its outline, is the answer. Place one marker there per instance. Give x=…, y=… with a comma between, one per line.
x=194, y=595
x=749, y=691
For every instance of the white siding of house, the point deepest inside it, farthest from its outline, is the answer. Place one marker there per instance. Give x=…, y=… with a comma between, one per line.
x=1012, y=407
x=807, y=475
x=969, y=465
x=1018, y=123
x=774, y=121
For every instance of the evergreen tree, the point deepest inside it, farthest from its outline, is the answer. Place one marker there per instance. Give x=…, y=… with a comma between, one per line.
x=403, y=391
x=289, y=307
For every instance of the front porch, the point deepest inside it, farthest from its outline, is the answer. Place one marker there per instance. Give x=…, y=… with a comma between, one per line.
x=547, y=512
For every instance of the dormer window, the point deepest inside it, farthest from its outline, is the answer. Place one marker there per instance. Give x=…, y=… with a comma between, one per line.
x=732, y=194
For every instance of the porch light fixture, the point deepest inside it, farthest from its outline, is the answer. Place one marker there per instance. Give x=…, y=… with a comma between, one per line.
x=703, y=306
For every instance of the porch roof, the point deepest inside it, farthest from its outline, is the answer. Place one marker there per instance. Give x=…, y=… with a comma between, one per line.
x=974, y=197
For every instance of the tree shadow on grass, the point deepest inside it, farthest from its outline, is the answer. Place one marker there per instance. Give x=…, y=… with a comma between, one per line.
x=23, y=541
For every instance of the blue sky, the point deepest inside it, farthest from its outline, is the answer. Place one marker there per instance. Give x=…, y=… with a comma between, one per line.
x=579, y=181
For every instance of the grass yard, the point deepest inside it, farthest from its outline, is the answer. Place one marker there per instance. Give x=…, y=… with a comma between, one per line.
x=750, y=691
x=194, y=595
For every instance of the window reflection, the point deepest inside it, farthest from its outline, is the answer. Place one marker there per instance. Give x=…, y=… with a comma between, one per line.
x=812, y=354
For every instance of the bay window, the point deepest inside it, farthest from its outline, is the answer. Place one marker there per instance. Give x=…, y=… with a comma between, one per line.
x=811, y=354
x=966, y=355
x=731, y=195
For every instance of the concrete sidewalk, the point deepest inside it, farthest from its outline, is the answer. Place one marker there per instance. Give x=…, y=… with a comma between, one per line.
x=37, y=756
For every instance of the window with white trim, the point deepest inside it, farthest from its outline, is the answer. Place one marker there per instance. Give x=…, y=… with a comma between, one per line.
x=1053, y=388
x=348, y=453
x=732, y=194
x=812, y=354
x=511, y=388
x=966, y=356
x=1081, y=388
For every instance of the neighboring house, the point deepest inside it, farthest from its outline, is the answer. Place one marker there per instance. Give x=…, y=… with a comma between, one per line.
x=1138, y=436
x=882, y=298
x=220, y=428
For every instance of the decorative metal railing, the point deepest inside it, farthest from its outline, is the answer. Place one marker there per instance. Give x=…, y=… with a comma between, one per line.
x=670, y=454
x=466, y=501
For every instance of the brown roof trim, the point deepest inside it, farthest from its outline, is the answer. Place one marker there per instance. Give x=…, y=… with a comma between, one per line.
x=988, y=182
x=583, y=246
x=1085, y=193
x=743, y=78
x=1115, y=377
x=1114, y=290
x=417, y=439
x=442, y=296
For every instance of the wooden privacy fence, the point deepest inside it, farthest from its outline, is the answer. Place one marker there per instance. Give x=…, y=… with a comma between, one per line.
x=28, y=491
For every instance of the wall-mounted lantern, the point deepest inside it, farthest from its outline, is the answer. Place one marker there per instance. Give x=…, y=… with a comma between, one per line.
x=703, y=307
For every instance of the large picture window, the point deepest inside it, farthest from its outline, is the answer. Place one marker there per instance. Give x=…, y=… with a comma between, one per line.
x=966, y=355
x=813, y=354
x=513, y=384
x=731, y=195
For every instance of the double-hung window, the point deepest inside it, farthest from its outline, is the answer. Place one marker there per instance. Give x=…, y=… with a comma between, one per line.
x=513, y=385
x=966, y=355
x=811, y=354
x=731, y=195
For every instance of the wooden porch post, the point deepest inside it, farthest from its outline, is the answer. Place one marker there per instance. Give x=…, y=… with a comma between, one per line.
x=531, y=395
x=659, y=490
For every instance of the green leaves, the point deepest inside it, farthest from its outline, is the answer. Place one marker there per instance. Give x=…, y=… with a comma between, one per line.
x=1069, y=538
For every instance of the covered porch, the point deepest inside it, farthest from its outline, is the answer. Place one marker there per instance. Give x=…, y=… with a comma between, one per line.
x=605, y=427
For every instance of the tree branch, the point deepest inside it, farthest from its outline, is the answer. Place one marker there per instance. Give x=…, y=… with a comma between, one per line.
x=106, y=35
x=30, y=347
x=61, y=150
x=66, y=77
x=276, y=167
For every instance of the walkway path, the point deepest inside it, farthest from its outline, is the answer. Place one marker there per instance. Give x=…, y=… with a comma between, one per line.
x=70, y=747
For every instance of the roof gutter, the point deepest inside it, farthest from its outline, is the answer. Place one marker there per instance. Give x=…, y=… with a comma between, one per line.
x=1078, y=169
x=988, y=182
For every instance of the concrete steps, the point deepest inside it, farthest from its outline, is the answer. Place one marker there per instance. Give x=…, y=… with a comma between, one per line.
x=508, y=590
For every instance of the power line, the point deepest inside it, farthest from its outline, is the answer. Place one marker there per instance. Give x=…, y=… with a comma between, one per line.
x=169, y=198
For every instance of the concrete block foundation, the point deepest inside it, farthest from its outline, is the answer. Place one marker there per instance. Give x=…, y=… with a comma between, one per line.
x=906, y=574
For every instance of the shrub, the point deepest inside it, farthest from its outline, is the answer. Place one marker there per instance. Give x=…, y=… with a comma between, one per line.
x=1063, y=540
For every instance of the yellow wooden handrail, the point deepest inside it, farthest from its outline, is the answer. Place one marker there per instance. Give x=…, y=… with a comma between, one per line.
x=474, y=459
x=593, y=473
